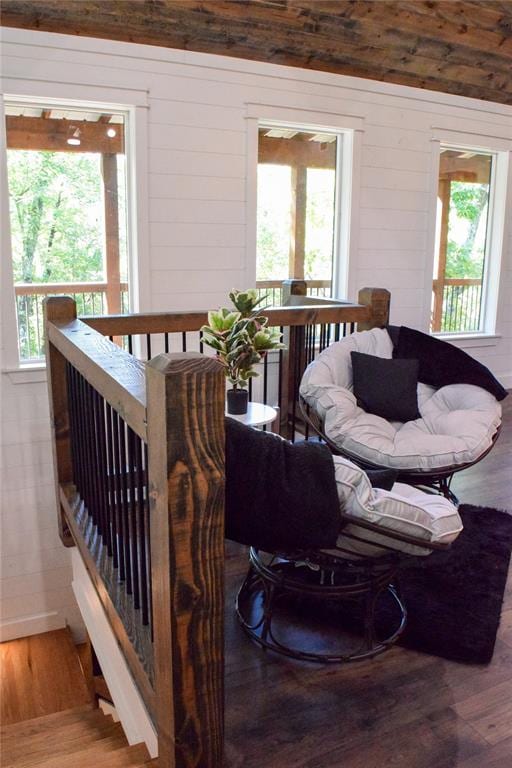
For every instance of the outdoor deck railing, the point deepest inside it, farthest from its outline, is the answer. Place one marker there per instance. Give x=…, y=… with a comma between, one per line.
x=139, y=472
x=456, y=305
x=91, y=299
x=273, y=289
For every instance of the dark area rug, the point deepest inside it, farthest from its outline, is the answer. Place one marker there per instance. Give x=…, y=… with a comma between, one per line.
x=454, y=598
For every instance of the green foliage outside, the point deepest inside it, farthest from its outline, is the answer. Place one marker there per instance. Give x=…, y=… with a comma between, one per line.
x=465, y=252
x=57, y=226
x=273, y=234
x=465, y=255
x=58, y=232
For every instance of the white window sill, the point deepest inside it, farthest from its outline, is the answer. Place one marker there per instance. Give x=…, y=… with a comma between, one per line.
x=470, y=340
x=32, y=373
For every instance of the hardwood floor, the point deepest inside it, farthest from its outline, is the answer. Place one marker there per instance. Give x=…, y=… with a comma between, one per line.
x=400, y=710
x=40, y=675
x=48, y=717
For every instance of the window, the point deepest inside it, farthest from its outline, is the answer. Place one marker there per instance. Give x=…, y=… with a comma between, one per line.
x=296, y=216
x=463, y=240
x=67, y=196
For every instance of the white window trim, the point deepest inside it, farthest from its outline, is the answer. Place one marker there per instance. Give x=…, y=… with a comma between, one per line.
x=348, y=184
x=135, y=105
x=501, y=192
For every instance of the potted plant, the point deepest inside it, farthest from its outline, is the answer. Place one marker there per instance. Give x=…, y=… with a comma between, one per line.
x=241, y=338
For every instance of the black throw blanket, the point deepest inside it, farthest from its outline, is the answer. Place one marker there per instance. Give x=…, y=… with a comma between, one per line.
x=441, y=363
x=279, y=496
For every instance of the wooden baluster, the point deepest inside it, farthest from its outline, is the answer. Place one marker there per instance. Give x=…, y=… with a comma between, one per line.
x=185, y=405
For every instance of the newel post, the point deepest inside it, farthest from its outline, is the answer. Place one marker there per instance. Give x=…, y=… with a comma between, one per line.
x=378, y=300
x=59, y=310
x=293, y=287
x=185, y=407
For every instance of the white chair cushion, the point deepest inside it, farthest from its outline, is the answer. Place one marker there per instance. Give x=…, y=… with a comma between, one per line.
x=404, y=509
x=457, y=422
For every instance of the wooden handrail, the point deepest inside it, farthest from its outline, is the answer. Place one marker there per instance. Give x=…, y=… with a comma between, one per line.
x=173, y=322
x=279, y=283
x=457, y=281
x=117, y=376
x=45, y=289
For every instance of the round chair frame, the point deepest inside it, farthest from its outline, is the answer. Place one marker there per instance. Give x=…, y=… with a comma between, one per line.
x=338, y=575
x=438, y=480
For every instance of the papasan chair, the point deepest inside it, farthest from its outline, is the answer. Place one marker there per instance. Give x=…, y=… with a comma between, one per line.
x=324, y=536
x=397, y=398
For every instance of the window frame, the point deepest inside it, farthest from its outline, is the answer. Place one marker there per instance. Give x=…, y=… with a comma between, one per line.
x=135, y=114
x=349, y=129
x=500, y=193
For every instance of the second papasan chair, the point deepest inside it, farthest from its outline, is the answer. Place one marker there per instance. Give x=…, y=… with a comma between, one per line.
x=398, y=398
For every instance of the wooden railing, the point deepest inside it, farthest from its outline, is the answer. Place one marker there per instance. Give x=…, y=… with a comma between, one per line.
x=456, y=305
x=273, y=289
x=139, y=471
x=91, y=299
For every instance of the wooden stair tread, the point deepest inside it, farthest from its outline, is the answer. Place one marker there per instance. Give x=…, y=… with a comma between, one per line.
x=48, y=718
x=89, y=754
x=45, y=722
x=122, y=757
x=41, y=674
x=93, y=721
x=73, y=739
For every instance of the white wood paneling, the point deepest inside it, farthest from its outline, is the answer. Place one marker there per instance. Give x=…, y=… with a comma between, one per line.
x=184, y=187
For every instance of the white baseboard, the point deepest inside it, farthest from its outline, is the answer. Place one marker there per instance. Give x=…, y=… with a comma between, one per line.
x=23, y=626
x=127, y=700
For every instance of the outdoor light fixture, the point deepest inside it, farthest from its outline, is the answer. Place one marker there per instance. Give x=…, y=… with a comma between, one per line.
x=74, y=140
x=111, y=133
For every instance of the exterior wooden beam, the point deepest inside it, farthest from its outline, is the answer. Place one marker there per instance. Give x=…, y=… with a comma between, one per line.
x=438, y=284
x=51, y=135
x=298, y=222
x=476, y=169
x=296, y=151
x=109, y=171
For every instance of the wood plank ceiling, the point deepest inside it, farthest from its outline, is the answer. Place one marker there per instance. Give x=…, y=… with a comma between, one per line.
x=453, y=46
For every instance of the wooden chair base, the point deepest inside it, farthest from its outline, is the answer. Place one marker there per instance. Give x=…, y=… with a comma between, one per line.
x=276, y=581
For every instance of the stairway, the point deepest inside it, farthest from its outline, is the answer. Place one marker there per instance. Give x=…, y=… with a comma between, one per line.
x=76, y=738
x=49, y=718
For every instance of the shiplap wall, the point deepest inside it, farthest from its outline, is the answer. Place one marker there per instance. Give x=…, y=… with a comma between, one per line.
x=197, y=211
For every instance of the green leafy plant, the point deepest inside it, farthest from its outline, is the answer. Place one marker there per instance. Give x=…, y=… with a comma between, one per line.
x=240, y=336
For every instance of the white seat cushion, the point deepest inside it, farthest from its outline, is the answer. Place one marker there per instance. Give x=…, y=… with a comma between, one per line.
x=404, y=509
x=456, y=427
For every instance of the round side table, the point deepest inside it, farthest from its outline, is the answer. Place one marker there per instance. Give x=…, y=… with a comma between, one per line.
x=258, y=415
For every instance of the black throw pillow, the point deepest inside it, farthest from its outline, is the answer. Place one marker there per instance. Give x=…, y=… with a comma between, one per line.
x=441, y=363
x=386, y=387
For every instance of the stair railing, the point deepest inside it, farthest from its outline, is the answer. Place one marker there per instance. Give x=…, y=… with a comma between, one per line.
x=139, y=471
